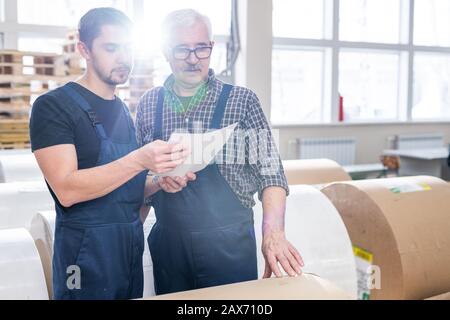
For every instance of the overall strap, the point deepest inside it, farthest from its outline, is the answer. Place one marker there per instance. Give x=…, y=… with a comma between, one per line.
x=220, y=107
x=84, y=105
x=159, y=115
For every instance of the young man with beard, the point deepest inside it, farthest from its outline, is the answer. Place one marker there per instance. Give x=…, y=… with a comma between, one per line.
x=83, y=138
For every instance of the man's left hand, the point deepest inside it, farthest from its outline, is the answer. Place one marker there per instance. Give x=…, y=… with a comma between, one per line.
x=176, y=184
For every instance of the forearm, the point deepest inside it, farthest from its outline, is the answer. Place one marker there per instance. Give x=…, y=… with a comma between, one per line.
x=88, y=184
x=274, y=207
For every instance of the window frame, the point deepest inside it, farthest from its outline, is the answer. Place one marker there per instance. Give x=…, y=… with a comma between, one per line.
x=405, y=47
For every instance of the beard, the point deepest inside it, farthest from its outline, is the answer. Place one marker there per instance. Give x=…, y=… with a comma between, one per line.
x=114, y=77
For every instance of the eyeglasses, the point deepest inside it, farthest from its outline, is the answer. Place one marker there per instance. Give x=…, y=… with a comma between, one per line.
x=203, y=52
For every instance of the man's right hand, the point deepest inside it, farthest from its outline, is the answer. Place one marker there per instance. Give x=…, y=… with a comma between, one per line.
x=160, y=156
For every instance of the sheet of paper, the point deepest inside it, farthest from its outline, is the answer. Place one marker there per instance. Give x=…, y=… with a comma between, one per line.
x=204, y=148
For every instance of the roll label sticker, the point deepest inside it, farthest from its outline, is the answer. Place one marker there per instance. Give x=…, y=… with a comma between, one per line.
x=409, y=187
x=364, y=261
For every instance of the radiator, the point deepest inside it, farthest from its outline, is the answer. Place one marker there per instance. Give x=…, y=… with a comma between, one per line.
x=420, y=141
x=342, y=149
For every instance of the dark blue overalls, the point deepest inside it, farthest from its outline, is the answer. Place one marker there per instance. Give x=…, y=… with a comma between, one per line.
x=104, y=237
x=203, y=235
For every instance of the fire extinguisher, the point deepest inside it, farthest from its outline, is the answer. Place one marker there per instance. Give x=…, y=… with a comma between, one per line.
x=341, y=108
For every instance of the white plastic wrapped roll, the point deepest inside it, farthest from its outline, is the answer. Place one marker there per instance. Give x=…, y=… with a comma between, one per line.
x=315, y=228
x=43, y=232
x=20, y=201
x=21, y=273
x=149, y=289
x=14, y=152
x=16, y=167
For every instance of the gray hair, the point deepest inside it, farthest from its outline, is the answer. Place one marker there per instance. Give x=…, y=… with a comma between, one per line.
x=182, y=18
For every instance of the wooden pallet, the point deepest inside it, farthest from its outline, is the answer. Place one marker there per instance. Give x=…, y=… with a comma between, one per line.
x=30, y=63
x=28, y=58
x=70, y=45
x=14, y=126
x=15, y=100
x=21, y=92
x=14, y=134
x=13, y=137
x=11, y=57
x=14, y=146
x=61, y=79
x=19, y=69
x=15, y=110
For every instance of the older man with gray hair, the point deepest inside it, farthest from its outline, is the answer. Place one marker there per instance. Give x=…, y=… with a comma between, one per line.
x=204, y=234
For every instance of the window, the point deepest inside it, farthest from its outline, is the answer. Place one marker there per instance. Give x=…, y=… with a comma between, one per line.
x=306, y=19
x=368, y=64
x=369, y=85
x=370, y=20
x=297, y=85
x=63, y=12
x=432, y=22
x=431, y=86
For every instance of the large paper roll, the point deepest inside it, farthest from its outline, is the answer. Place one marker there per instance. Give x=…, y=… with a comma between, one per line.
x=444, y=296
x=305, y=287
x=317, y=171
x=14, y=152
x=21, y=273
x=149, y=288
x=43, y=232
x=20, y=201
x=400, y=229
x=315, y=228
x=15, y=167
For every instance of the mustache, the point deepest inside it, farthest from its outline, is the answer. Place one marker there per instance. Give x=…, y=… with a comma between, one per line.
x=122, y=68
x=192, y=68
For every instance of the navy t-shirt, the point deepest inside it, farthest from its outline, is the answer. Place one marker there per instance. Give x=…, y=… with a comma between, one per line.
x=56, y=119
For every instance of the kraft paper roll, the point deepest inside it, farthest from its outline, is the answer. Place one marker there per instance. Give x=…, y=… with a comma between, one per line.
x=400, y=228
x=305, y=287
x=43, y=232
x=316, y=171
x=315, y=228
x=21, y=273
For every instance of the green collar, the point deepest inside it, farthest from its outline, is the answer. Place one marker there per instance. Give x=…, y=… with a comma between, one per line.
x=173, y=100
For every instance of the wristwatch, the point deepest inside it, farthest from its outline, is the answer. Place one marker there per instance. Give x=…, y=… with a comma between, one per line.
x=155, y=179
x=148, y=200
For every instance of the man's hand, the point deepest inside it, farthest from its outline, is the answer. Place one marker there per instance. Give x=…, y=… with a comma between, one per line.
x=276, y=249
x=176, y=184
x=160, y=156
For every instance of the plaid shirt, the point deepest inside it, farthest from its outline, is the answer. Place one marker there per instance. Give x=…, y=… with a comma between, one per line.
x=261, y=164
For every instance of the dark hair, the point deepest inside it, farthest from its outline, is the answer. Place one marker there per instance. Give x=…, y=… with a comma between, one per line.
x=91, y=23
